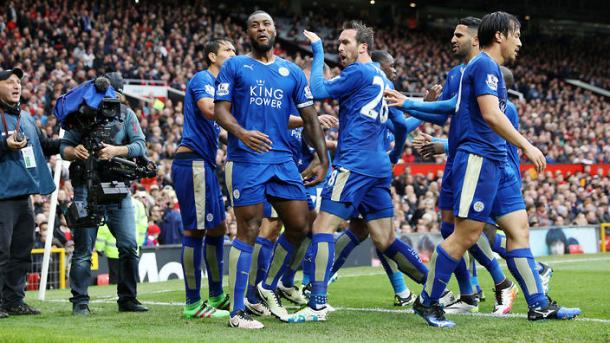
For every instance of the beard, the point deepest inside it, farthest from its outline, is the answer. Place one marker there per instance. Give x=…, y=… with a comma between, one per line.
x=262, y=48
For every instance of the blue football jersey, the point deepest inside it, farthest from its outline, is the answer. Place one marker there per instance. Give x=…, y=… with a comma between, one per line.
x=262, y=98
x=362, y=116
x=513, y=152
x=199, y=133
x=300, y=151
x=482, y=76
x=451, y=88
x=388, y=139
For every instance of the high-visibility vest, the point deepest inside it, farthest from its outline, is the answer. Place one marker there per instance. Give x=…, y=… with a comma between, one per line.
x=141, y=221
x=106, y=243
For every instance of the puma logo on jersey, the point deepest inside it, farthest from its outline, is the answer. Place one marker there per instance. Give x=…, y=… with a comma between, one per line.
x=249, y=66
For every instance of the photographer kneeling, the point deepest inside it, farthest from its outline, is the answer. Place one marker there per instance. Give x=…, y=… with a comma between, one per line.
x=121, y=136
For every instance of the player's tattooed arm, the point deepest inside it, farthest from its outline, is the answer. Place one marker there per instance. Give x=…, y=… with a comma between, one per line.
x=254, y=139
x=315, y=136
x=498, y=121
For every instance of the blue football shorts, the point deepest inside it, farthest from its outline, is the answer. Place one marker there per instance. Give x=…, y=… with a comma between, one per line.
x=347, y=192
x=252, y=183
x=476, y=181
x=198, y=191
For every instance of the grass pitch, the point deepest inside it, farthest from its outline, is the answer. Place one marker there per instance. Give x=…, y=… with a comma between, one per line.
x=363, y=297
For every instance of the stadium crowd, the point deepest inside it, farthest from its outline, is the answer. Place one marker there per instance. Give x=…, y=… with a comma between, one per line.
x=58, y=46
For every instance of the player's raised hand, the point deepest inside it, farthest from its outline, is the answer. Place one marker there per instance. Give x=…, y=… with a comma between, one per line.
x=394, y=98
x=256, y=141
x=311, y=36
x=433, y=93
x=536, y=157
x=328, y=121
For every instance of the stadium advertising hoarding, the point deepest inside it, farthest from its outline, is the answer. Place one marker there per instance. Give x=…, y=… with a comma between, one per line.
x=564, y=240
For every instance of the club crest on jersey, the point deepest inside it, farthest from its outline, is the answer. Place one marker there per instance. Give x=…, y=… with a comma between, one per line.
x=222, y=89
x=284, y=71
x=209, y=217
x=492, y=82
x=260, y=95
x=236, y=194
x=209, y=89
x=478, y=206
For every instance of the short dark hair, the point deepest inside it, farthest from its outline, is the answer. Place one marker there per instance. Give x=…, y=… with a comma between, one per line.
x=213, y=45
x=496, y=22
x=380, y=56
x=364, y=34
x=470, y=22
x=255, y=13
x=509, y=78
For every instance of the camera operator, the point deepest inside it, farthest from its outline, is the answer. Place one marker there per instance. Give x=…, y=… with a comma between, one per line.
x=127, y=140
x=24, y=172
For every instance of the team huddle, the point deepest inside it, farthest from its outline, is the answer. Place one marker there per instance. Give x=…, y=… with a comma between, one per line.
x=278, y=176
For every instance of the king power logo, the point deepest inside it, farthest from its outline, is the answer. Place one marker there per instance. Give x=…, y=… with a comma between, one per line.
x=260, y=95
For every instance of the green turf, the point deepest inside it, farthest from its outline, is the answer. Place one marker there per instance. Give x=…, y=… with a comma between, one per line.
x=361, y=294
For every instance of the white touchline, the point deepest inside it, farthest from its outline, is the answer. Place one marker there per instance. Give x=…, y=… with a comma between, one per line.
x=510, y=315
x=363, y=309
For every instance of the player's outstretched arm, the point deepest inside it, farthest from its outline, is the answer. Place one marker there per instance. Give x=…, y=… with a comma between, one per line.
x=315, y=136
x=397, y=99
x=255, y=140
x=318, y=88
x=490, y=110
x=434, y=118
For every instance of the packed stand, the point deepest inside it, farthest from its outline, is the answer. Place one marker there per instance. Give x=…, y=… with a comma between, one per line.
x=59, y=47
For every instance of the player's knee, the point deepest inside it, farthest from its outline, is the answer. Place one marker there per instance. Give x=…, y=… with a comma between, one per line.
x=295, y=237
x=248, y=230
x=360, y=231
x=518, y=232
x=466, y=239
x=382, y=241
